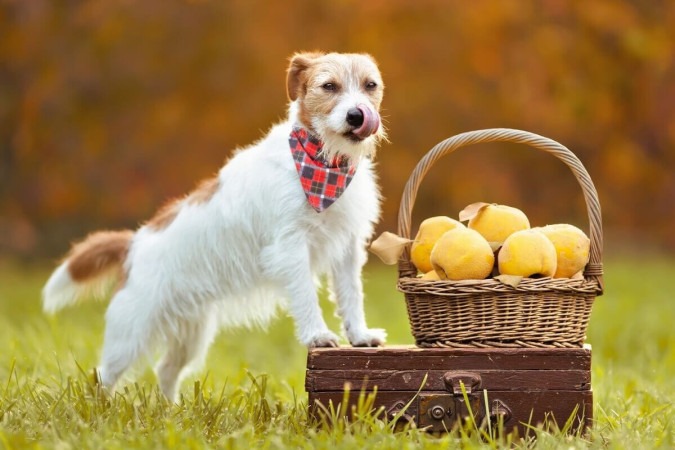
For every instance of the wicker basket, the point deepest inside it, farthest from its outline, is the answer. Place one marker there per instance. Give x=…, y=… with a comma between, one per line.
x=544, y=312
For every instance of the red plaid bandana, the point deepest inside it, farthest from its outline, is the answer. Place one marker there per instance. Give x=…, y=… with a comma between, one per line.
x=323, y=181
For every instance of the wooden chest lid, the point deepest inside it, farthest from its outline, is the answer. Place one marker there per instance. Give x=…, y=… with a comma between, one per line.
x=411, y=368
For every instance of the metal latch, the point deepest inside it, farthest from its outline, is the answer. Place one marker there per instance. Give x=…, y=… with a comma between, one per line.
x=439, y=411
x=454, y=380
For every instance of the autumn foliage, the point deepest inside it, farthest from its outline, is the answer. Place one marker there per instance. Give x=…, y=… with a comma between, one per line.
x=107, y=108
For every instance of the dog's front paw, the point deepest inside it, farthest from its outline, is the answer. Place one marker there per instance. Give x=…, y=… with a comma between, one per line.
x=368, y=337
x=322, y=339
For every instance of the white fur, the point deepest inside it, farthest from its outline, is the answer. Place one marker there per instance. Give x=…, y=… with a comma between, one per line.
x=61, y=290
x=255, y=245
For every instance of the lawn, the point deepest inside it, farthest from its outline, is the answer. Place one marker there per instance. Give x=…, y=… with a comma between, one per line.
x=251, y=392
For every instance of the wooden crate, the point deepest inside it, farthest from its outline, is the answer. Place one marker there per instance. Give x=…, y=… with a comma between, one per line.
x=523, y=385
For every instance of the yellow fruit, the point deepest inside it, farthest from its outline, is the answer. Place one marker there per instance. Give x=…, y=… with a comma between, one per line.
x=497, y=222
x=462, y=254
x=430, y=230
x=572, y=247
x=431, y=276
x=527, y=253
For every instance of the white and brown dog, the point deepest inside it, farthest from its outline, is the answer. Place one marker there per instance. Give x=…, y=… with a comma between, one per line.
x=299, y=203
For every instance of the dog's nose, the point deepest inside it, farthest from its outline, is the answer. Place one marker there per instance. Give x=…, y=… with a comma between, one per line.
x=355, y=117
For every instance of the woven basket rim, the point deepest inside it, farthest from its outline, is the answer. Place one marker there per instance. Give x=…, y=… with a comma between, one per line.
x=593, y=272
x=441, y=288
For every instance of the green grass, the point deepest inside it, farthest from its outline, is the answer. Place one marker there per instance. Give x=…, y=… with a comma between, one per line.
x=251, y=392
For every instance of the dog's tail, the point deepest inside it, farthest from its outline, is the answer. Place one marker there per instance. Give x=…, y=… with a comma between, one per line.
x=88, y=269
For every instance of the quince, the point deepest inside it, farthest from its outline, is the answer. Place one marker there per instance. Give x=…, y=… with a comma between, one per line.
x=497, y=222
x=527, y=253
x=429, y=232
x=572, y=247
x=462, y=254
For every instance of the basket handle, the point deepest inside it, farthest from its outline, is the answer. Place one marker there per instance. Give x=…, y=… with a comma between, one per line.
x=593, y=270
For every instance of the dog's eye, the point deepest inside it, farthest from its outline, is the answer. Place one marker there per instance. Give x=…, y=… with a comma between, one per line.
x=329, y=87
x=370, y=85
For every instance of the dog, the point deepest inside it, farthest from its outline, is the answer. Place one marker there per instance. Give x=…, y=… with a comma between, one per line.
x=300, y=203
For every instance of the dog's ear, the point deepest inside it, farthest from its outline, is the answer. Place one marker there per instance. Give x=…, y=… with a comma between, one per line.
x=295, y=81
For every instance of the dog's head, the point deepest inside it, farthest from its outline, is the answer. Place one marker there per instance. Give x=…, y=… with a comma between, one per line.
x=337, y=97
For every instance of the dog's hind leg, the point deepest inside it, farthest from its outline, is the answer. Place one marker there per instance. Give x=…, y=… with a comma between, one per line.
x=188, y=349
x=125, y=340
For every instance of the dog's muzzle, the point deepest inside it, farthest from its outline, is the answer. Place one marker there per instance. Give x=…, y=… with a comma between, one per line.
x=365, y=121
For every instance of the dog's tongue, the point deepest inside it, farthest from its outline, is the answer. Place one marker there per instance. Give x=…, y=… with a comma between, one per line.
x=371, y=122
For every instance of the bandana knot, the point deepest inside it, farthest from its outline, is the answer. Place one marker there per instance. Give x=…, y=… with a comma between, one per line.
x=323, y=181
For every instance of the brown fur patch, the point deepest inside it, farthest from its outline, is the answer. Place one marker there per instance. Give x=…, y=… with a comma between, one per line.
x=206, y=189
x=165, y=215
x=97, y=253
x=295, y=80
x=305, y=114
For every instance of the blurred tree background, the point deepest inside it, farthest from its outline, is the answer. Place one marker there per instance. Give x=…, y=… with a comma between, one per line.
x=109, y=107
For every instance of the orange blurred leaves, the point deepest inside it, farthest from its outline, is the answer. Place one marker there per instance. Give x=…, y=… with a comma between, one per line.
x=108, y=108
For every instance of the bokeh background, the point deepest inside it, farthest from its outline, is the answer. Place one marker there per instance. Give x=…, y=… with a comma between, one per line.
x=108, y=108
